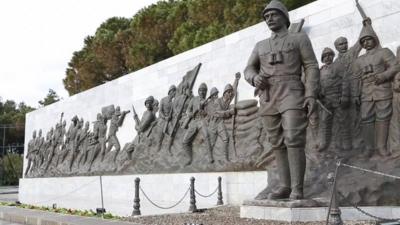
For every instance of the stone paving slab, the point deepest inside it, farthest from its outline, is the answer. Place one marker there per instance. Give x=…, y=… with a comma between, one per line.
x=37, y=217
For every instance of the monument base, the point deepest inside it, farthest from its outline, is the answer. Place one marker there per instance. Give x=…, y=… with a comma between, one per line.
x=284, y=211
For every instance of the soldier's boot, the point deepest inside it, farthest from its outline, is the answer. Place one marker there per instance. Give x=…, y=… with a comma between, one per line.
x=188, y=149
x=368, y=135
x=210, y=150
x=382, y=132
x=225, y=147
x=282, y=164
x=297, y=163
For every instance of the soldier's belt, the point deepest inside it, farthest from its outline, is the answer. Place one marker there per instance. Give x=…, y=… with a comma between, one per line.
x=279, y=78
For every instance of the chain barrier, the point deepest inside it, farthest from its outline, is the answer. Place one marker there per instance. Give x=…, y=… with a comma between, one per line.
x=67, y=194
x=207, y=196
x=355, y=206
x=161, y=207
x=370, y=171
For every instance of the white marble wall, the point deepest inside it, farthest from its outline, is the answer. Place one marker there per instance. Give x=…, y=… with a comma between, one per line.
x=118, y=191
x=325, y=21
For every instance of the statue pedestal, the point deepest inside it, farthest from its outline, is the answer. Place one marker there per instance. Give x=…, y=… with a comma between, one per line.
x=305, y=211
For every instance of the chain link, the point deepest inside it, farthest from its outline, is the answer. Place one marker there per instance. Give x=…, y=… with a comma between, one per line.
x=371, y=171
x=207, y=196
x=162, y=207
x=355, y=206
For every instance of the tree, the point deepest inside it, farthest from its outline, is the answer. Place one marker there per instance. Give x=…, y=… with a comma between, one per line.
x=157, y=32
x=50, y=98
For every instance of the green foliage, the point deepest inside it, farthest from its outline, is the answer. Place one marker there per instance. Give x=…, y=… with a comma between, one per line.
x=12, y=165
x=157, y=32
x=50, y=98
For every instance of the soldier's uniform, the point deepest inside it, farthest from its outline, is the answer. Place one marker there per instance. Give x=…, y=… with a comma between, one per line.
x=280, y=60
x=196, y=111
x=31, y=151
x=165, y=115
x=334, y=91
x=116, y=121
x=218, y=111
x=344, y=66
x=376, y=99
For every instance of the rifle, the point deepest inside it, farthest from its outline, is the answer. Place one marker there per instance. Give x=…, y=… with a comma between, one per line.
x=361, y=10
x=137, y=121
x=135, y=116
x=236, y=83
x=165, y=128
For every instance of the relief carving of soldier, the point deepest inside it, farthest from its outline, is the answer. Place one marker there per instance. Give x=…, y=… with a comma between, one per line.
x=30, y=156
x=100, y=131
x=165, y=115
x=376, y=69
x=219, y=111
x=344, y=66
x=196, y=117
x=335, y=95
x=275, y=68
x=117, y=119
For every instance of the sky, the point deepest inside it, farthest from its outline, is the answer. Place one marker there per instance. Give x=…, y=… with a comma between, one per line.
x=38, y=38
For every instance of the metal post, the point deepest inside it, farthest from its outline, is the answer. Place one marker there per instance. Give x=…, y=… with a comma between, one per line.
x=220, y=201
x=334, y=212
x=192, y=207
x=136, y=200
x=102, y=198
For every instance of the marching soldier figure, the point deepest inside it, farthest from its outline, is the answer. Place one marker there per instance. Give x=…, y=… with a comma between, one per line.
x=117, y=119
x=376, y=68
x=30, y=156
x=274, y=68
x=335, y=95
x=222, y=111
x=165, y=114
x=196, y=115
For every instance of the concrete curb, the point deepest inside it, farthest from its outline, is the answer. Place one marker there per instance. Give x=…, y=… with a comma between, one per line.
x=37, y=217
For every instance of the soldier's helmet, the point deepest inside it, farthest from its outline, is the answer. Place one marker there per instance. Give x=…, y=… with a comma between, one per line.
x=99, y=116
x=327, y=51
x=228, y=87
x=171, y=88
x=214, y=91
x=75, y=119
x=149, y=100
x=278, y=5
x=118, y=111
x=203, y=86
x=34, y=134
x=367, y=31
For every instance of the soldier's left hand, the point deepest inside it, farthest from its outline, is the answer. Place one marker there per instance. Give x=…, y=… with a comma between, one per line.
x=311, y=105
x=379, y=80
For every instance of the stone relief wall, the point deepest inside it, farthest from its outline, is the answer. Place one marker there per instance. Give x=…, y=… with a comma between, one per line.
x=118, y=144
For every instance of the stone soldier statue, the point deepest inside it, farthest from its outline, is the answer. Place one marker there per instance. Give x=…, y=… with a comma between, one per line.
x=274, y=68
x=76, y=142
x=38, y=149
x=117, y=119
x=148, y=117
x=335, y=95
x=221, y=112
x=83, y=143
x=165, y=114
x=62, y=146
x=376, y=68
x=100, y=132
x=196, y=119
x=30, y=156
x=395, y=121
x=344, y=66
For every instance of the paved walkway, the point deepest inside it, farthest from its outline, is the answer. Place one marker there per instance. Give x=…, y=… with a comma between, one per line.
x=8, y=223
x=8, y=194
x=37, y=217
